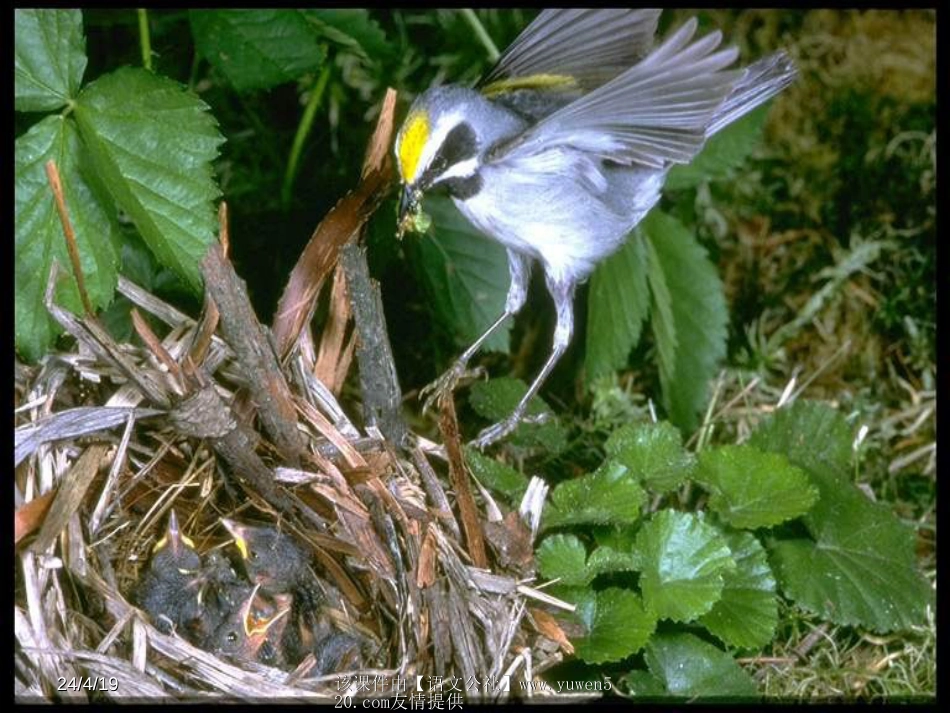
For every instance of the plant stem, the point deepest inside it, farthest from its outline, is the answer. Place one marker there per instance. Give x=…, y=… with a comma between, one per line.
x=145, y=40
x=303, y=130
x=481, y=33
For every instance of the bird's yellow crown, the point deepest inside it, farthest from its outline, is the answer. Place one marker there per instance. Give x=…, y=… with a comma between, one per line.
x=412, y=139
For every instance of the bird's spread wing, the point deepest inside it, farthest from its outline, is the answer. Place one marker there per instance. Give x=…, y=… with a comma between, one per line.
x=582, y=47
x=654, y=113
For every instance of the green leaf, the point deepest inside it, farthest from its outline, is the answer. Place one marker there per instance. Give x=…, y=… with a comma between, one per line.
x=465, y=274
x=747, y=613
x=49, y=58
x=662, y=321
x=257, y=49
x=860, y=569
x=352, y=28
x=604, y=560
x=810, y=434
x=617, y=625
x=564, y=557
x=617, y=306
x=723, y=152
x=497, y=398
x=39, y=234
x=653, y=452
x=753, y=489
x=644, y=685
x=496, y=476
x=609, y=495
x=689, y=323
x=152, y=144
x=692, y=668
x=684, y=564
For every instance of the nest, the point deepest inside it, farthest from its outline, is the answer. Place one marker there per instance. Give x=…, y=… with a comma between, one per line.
x=217, y=418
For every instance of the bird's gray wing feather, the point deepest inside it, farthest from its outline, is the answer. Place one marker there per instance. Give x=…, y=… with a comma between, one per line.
x=591, y=46
x=655, y=113
x=760, y=82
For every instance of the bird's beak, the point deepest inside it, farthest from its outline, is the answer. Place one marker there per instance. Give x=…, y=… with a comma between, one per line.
x=239, y=534
x=408, y=202
x=173, y=537
x=408, y=205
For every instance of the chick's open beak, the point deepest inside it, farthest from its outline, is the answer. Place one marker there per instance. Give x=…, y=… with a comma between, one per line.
x=239, y=533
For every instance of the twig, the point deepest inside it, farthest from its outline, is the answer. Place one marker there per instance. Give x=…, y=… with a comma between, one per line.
x=382, y=397
x=255, y=355
x=481, y=33
x=449, y=426
x=345, y=219
x=52, y=173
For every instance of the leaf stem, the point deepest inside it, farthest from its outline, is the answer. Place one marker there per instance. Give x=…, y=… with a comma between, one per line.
x=303, y=130
x=145, y=40
x=481, y=33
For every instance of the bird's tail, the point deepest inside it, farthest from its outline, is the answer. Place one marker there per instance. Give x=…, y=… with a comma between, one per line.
x=759, y=82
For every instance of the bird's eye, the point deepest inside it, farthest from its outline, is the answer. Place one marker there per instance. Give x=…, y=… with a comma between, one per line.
x=232, y=637
x=252, y=555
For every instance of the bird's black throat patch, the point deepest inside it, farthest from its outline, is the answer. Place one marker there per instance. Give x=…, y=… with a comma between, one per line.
x=463, y=188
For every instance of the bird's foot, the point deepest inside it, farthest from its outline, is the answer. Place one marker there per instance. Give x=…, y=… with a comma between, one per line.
x=503, y=428
x=443, y=387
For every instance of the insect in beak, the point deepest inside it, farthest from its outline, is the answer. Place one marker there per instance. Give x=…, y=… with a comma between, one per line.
x=410, y=215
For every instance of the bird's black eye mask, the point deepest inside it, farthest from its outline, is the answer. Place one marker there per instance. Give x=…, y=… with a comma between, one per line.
x=460, y=145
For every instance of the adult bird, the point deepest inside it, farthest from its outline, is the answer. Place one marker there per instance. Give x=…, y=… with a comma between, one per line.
x=563, y=148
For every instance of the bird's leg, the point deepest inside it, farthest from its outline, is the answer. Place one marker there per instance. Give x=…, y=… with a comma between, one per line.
x=563, y=293
x=519, y=266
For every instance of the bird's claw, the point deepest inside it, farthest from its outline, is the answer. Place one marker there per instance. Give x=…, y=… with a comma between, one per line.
x=442, y=388
x=538, y=418
x=501, y=429
x=497, y=431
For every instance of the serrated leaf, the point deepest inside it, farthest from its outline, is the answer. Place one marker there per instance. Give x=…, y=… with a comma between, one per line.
x=608, y=496
x=497, y=398
x=39, y=234
x=617, y=625
x=618, y=303
x=606, y=559
x=152, y=143
x=49, y=58
x=692, y=668
x=724, y=151
x=753, y=489
x=747, y=613
x=694, y=343
x=465, y=274
x=685, y=561
x=564, y=557
x=257, y=49
x=353, y=28
x=810, y=434
x=860, y=569
x=653, y=452
x=495, y=475
x=662, y=322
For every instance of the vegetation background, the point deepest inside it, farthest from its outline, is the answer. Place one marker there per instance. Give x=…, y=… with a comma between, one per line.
x=825, y=241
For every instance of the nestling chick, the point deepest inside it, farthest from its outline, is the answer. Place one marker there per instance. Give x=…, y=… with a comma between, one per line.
x=168, y=590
